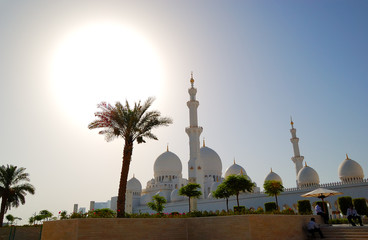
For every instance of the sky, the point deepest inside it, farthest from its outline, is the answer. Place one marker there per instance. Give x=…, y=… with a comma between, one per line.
x=255, y=64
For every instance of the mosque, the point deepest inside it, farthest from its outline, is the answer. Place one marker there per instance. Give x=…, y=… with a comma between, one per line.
x=205, y=168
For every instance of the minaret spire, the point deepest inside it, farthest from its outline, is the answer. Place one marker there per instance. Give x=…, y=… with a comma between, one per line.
x=297, y=159
x=195, y=165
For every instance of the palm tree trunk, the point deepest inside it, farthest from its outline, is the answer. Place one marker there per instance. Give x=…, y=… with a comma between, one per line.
x=277, y=204
x=127, y=156
x=2, y=209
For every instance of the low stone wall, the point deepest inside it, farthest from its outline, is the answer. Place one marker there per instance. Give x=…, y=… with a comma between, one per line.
x=229, y=227
x=21, y=233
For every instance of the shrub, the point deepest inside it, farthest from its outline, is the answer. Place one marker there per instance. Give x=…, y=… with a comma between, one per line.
x=344, y=203
x=288, y=211
x=195, y=214
x=259, y=210
x=102, y=213
x=360, y=205
x=239, y=210
x=304, y=207
x=270, y=207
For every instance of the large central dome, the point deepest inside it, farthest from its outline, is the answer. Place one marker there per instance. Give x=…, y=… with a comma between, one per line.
x=167, y=164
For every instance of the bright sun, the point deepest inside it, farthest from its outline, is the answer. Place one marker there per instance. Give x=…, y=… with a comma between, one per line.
x=103, y=62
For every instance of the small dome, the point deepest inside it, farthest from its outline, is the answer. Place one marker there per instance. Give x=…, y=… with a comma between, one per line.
x=175, y=197
x=350, y=170
x=134, y=185
x=146, y=198
x=273, y=176
x=211, y=162
x=307, y=176
x=235, y=169
x=167, y=163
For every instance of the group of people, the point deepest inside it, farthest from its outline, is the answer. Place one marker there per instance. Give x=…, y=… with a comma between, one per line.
x=314, y=227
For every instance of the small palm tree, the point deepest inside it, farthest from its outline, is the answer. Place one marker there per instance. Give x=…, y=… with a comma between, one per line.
x=273, y=188
x=191, y=191
x=12, y=188
x=132, y=124
x=223, y=192
x=238, y=183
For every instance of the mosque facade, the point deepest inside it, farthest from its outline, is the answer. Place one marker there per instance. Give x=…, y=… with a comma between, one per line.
x=205, y=168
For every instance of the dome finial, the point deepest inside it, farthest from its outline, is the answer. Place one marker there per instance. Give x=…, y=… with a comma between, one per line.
x=133, y=175
x=204, y=142
x=347, y=157
x=305, y=164
x=191, y=78
x=167, y=147
x=271, y=169
x=291, y=122
x=234, y=160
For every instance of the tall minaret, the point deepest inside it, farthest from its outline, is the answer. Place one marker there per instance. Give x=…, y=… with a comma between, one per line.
x=194, y=132
x=297, y=159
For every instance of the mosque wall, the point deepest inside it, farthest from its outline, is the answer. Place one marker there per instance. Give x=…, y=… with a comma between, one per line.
x=287, y=199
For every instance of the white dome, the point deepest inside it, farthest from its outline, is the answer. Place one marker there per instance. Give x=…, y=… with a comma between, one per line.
x=211, y=162
x=146, y=198
x=350, y=170
x=235, y=169
x=307, y=176
x=134, y=185
x=272, y=176
x=175, y=197
x=167, y=163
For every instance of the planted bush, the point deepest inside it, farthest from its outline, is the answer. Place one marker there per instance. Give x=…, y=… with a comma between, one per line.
x=102, y=213
x=344, y=203
x=304, y=207
x=270, y=207
x=239, y=209
x=360, y=205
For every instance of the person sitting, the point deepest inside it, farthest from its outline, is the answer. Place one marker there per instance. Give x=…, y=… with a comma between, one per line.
x=353, y=215
x=321, y=213
x=313, y=227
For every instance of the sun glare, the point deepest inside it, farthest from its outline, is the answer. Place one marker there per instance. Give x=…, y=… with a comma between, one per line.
x=103, y=62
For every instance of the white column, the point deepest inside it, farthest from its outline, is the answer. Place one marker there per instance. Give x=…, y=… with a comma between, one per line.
x=297, y=159
x=194, y=132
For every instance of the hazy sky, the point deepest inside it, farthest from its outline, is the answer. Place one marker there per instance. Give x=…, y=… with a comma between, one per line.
x=255, y=64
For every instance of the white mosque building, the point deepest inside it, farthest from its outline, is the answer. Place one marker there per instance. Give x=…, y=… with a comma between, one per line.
x=205, y=168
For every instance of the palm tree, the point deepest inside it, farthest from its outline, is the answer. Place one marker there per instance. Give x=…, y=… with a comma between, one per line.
x=191, y=191
x=12, y=190
x=273, y=188
x=131, y=124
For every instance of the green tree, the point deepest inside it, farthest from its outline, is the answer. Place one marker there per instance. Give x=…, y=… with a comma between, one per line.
x=10, y=219
x=157, y=203
x=191, y=190
x=31, y=220
x=223, y=192
x=45, y=214
x=273, y=188
x=63, y=215
x=132, y=124
x=14, y=187
x=238, y=183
